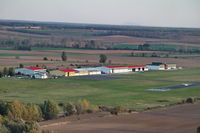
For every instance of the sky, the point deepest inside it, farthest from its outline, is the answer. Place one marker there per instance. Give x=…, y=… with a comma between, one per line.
x=164, y=13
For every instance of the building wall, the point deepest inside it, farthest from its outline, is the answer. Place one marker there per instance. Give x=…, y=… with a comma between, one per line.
x=57, y=73
x=24, y=71
x=70, y=74
x=171, y=66
x=153, y=67
x=120, y=70
x=94, y=72
x=104, y=70
x=41, y=76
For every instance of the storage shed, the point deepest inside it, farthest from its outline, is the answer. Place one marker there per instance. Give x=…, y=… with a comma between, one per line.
x=122, y=69
x=161, y=66
x=30, y=70
x=64, y=72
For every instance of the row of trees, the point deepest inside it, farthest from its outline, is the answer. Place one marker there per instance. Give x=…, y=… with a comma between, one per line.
x=16, y=117
x=102, y=57
x=7, y=72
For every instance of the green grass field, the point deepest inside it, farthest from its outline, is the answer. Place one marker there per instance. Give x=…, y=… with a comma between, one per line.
x=165, y=47
x=130, y=91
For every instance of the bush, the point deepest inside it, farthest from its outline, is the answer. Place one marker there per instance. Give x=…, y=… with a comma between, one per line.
x=50, y=110
x=16, y=110
x=3, y=107
x=45, y=58
x=70, y=109
x=34, y=112
x=20, y=126
x=198, y=129
x=190, y=100
x=84, y=106
x=4, y=129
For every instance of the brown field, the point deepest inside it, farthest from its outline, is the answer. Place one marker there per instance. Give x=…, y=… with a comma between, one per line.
x=176, y=119
x=92, y=56
x=80, y=57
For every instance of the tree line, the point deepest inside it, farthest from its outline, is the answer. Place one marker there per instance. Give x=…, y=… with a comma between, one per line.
x=17, y=117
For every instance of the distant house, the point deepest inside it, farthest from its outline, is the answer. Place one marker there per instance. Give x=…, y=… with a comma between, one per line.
x=161, y=66
x=64, y=72
x=32, y=71
x=122, y=69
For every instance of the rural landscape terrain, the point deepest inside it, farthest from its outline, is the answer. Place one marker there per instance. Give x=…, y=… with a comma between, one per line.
x=109, y=103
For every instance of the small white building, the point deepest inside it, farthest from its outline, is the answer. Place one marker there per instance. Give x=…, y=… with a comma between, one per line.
x=122, y=69
x=161, y=66
x=36, y=72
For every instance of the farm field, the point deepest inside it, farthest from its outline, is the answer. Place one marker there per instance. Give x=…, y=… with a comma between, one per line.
x=177, y=119
x=12, y=58
x=130, y=90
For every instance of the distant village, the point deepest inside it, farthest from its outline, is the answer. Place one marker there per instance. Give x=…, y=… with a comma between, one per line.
x=41, y=73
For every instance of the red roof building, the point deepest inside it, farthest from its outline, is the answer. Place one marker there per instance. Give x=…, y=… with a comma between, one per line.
x=68, y=70
x=34, y=68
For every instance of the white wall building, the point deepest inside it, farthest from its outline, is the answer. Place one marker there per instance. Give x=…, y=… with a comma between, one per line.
x=122, y=69
x=37, y=72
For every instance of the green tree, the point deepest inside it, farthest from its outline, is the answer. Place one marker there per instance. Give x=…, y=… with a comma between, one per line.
x=102, y=58
x=5, y=71
x=11, y=71
x=50, y=110
x=45, y=58
x=1, y=74
x=64, y=56
x=21, y=66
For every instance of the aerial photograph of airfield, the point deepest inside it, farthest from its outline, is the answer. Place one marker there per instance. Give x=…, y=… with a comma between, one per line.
x=103, y=66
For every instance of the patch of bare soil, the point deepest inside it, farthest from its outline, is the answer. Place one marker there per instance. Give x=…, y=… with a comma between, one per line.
x=176, y=119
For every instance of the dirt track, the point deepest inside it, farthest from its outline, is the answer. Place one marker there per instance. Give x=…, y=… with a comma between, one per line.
x=179, y=119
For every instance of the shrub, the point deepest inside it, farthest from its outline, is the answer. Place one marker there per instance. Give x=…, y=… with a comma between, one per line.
x=190, y=100
x=70, y=108
x=45, y=58
x=34, y=112
x=16, y=110
x=84, y=106
x=50, y=110
x=3, y=107
x=20, y=126
x=198, y=129
x=4, y=129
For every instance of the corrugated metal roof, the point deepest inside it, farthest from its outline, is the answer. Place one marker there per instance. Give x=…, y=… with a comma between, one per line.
x=68, y=70
x=34, y=68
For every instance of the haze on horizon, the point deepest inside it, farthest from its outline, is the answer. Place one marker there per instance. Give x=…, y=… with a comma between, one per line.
x=164, y=13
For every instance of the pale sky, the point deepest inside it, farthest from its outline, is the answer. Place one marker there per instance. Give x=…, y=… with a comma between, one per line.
x=170, y=13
